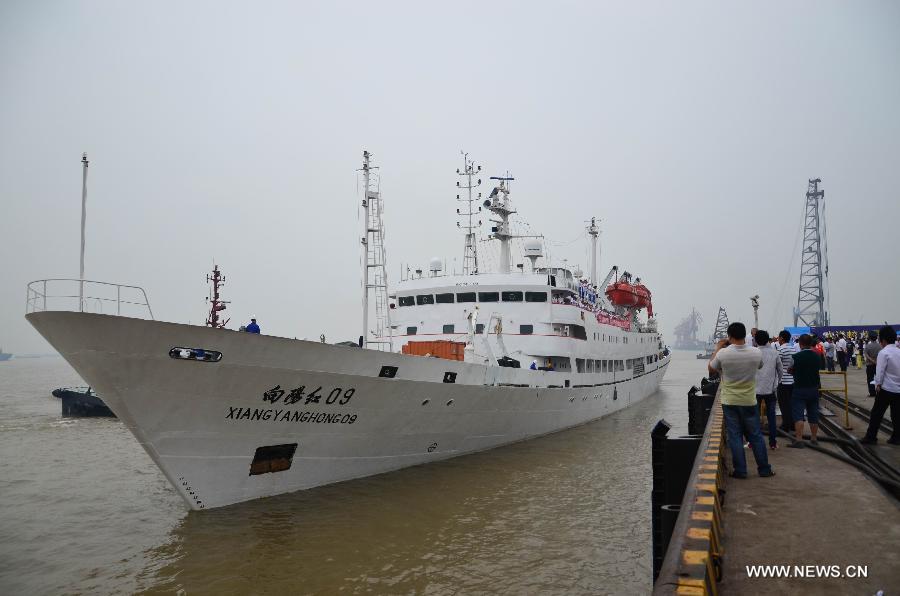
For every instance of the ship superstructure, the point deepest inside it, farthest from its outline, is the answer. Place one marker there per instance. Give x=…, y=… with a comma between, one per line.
x=451, y=364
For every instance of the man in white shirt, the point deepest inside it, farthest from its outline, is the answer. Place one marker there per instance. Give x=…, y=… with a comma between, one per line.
x=887, y=387
x=828, y=346
x=767, y=380
x=737, y=363
x=841, y=348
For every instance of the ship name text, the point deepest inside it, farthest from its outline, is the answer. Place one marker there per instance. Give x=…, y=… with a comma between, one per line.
x=238, y=413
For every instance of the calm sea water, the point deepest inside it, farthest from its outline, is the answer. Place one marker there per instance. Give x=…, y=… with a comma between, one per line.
x=84, y=510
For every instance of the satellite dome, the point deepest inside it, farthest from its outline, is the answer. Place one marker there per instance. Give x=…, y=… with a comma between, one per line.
x=534, y=248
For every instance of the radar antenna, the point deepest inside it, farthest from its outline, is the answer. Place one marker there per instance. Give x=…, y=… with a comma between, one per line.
x=374, y=268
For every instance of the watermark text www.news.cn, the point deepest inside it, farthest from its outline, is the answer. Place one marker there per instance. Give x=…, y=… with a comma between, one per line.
x=808, y=571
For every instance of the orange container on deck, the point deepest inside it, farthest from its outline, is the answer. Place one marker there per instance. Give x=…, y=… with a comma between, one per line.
x=448, y=350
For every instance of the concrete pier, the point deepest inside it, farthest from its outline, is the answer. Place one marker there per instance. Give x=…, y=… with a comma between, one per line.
x=830, y=528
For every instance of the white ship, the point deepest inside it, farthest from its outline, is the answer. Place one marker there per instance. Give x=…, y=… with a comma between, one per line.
x=231, y=416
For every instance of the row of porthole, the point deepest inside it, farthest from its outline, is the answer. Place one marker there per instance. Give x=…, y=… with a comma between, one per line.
x=427, y=401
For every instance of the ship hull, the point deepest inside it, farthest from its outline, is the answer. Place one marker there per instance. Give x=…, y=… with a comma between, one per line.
x=206, y=424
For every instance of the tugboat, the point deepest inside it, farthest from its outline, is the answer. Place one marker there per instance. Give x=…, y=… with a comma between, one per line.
x=82, y=402
x=530, y=349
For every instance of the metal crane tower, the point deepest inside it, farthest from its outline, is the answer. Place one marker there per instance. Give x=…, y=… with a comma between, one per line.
x=721, y=329
x=810, y=308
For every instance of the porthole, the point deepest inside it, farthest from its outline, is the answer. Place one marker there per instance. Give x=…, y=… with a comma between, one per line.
x=425, y=402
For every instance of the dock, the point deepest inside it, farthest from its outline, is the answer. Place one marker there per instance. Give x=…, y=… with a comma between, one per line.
x=820, y=525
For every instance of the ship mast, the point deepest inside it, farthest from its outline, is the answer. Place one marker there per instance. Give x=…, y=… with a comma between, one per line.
x=216, y=305
x=374, y=268
x=470, y=251
x=594, y=232
x=498, y=204
x=84, y=170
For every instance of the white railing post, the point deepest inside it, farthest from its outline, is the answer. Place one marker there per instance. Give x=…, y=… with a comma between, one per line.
x=118, y=300
x=45, y=294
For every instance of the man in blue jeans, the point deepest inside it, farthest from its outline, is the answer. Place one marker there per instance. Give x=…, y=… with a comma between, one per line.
x=806, y=391
x=738, y=364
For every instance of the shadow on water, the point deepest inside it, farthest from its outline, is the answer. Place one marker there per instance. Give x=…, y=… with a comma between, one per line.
x=566, y=513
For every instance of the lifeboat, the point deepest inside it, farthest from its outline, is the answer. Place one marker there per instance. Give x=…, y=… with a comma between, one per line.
x=636, y=296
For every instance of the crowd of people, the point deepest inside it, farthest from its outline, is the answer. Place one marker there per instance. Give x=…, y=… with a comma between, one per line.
x=756, y=374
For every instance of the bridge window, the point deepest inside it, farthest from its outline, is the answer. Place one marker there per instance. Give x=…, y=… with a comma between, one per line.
x=448, y=328
x=512, y=296
x=578, y=332
x=535, y=296
x=488, y=296
x=444, y=298
x=406, y=300
x=465, y=297
x=526, y=329
x=411, y=330
x=425, y=299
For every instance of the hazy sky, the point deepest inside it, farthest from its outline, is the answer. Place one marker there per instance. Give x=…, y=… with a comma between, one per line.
x=232, y=132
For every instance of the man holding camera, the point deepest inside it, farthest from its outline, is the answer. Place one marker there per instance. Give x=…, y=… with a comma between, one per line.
x=738, y=363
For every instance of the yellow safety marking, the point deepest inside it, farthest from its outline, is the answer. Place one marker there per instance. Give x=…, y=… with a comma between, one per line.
x=702, y=515
x=702, y=476
x=709, y=487
x=698, y=533
x=695, y=557
x=690, y=590
x=690, y=581
x=708, y=467
x=710, y=458
x=706, y=500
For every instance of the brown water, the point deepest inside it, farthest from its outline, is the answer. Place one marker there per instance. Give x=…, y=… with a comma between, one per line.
x=84, y=510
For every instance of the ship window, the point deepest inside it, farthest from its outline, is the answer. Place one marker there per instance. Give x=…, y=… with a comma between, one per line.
x=272, y=458
x=465, y=297
x=578, y=332
x=526, y=329
x=628, y=364
x=479, y=328
x=448, y=328
x=411, y=330
x=444, y=298
x=603, y=367
x=488, y=296
x=535, y=296
x=406, y=300
x=425, y=299
x=512, y=296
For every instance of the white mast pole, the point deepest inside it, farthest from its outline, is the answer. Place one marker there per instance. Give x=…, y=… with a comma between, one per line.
x=84, y=168
x=594, y=231
x=365, y=256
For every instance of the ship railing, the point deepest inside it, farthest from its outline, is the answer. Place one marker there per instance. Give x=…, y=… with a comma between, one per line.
x=84, y=295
